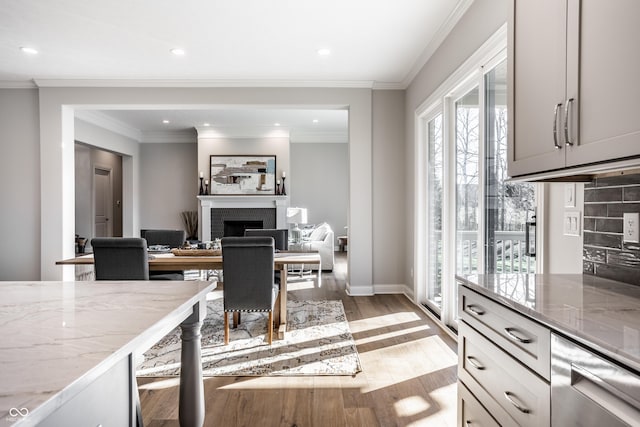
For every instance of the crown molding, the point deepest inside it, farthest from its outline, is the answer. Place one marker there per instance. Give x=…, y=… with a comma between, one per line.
x=242, y=132
x=302, y=137
x=188, y=136
x=442, y=33
x=190, y=83
x=389, y=86
x=17, y=84
x=109, y=123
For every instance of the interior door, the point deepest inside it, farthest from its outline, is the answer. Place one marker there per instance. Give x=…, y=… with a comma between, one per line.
x=102, y=202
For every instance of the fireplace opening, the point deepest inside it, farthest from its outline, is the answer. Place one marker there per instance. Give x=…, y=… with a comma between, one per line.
x=237, y=227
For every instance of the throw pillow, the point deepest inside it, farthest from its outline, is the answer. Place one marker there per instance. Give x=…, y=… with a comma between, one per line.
x=320, y=232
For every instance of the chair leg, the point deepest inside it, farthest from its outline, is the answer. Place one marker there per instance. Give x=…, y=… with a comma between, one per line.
x=236, y=319
x=270, y=328
x=226, y=327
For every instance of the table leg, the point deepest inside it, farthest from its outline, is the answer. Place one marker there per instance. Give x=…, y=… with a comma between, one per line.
x=191, y=409
x=282, y=328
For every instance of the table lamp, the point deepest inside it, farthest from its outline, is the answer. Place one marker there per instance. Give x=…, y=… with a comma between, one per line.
x=296, y=216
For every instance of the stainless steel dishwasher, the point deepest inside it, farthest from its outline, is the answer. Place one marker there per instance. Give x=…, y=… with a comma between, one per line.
x=588, y=390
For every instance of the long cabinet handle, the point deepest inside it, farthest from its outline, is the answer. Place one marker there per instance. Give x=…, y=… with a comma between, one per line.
x=475, y=363
x=519, y=407
x=606, y=391
x=510, y=334
x=555, y=126
x=474, y=310
x=567, y=140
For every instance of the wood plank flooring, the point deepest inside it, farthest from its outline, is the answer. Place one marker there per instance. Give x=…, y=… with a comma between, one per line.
x=408, y=374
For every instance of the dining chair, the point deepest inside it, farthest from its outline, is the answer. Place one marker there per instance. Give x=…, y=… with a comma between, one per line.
x=248, y=279
x=124, y=258
x=280, y=236
x=170, y=238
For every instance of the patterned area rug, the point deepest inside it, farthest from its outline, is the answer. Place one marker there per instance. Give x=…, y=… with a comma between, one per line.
x=318, y=342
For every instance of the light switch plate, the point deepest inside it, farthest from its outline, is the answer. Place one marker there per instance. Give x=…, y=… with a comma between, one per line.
x=572, y=223
x=630, y=227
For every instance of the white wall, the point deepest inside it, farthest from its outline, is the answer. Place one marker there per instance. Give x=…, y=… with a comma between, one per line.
x=562, y=254
x=168, y=184
x=320, y=182
x=19, y=185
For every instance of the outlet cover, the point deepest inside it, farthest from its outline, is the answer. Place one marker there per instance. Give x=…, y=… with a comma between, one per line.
x=572, y=225
x=630, y=227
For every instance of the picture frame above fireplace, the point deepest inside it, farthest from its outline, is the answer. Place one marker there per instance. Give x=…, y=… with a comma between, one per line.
x=242, y=175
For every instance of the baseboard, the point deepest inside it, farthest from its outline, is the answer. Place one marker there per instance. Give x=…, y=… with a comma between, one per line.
x=398, y=288
x=359, y=291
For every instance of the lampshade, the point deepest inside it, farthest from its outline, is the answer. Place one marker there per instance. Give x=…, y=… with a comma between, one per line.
x=296, y=215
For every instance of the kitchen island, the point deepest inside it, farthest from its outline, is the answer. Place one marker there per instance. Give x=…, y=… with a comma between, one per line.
x=68, y=350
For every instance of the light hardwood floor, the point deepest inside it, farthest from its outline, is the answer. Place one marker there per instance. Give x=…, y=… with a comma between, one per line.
x=408, y=375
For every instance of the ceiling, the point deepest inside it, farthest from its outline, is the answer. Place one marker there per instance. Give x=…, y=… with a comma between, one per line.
x=372, y=43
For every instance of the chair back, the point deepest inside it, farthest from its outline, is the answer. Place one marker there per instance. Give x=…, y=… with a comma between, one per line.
x=171, y=238
x=280, y=236
x=120, y=258
x=248, y=273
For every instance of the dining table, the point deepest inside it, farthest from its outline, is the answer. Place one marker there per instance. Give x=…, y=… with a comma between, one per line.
x=168, y=261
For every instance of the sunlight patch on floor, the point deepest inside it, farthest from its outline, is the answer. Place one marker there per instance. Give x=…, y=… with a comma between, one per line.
x=410, y=406
x=299, y=286
x=382, y=321
x=388, y=335
x=161, y=384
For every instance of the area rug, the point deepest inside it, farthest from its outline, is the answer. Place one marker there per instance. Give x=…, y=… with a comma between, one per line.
x=318, y=342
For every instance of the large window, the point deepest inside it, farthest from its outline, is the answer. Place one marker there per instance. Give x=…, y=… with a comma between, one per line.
x=473, y=218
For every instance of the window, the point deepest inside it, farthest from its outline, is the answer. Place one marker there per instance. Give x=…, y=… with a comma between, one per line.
x=473, y=218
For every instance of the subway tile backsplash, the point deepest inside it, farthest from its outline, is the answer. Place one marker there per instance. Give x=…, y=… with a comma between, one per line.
x=604, y=253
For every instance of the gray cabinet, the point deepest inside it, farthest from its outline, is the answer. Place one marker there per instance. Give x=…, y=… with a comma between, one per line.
x=504, y=362
x=573, y=90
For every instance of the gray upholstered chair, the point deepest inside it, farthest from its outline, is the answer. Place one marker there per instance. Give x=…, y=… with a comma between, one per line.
x=171, y=238
x=124, y=258
x=248, y=278
x=280, y=236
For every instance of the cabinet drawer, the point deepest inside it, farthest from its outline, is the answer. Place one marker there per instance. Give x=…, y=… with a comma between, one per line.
x=470, y=412
x=519, y=336
x=513, y=394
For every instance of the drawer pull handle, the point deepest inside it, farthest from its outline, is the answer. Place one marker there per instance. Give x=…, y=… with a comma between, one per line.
x=474, y=310
x=515, y=337
x=519, y=407
x=474, y=362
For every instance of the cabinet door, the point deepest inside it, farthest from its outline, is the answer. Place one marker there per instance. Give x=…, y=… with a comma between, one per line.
x=603, y=72
x=537, y=70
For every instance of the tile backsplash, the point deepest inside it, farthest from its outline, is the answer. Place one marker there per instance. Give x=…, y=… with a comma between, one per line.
x=604, y=252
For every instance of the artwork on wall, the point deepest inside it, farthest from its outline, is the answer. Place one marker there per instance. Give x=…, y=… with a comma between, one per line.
x=243, y=175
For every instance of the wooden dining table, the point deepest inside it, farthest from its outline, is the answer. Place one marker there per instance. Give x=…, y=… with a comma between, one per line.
x=171, y=262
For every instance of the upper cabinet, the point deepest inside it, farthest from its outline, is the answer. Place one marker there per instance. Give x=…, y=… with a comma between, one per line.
x=574, y=89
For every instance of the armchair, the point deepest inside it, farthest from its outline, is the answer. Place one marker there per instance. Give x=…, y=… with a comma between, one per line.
x=321, y=240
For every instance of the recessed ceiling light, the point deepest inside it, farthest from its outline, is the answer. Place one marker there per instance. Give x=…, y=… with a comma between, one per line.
x=165, y=121
x=206, y=124
x=315, y=120
x=28, y=50
x=177, y=51
x=276, y=124
x=324, y=51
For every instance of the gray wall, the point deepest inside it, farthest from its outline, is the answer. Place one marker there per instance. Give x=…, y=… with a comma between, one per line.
x=482, y=19
x=389, y=191
x=168, y=183
x=19, y=184
x=319, y=182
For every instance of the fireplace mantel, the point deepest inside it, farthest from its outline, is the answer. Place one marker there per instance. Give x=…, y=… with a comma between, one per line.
x=280, y=203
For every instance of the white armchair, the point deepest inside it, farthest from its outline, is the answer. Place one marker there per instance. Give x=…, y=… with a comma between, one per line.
x=322, y=240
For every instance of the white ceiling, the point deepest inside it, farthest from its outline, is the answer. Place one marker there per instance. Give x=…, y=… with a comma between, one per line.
x=373, y=43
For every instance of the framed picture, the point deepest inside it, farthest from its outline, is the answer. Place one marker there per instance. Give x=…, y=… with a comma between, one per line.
x=243, y=175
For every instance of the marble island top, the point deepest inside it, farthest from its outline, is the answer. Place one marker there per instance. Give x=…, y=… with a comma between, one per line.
x=602, y=313
x=56, y=337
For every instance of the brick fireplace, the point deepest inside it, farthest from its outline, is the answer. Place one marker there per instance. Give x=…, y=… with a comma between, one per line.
x=270, y=211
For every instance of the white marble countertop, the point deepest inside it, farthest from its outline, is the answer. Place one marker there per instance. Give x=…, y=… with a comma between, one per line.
x=56, y=337
x=601, y=313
